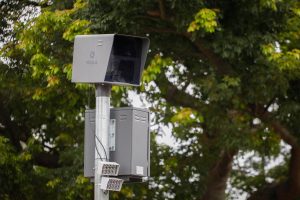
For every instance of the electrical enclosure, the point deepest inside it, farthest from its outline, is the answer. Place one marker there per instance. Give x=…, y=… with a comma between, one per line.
x=131, y=145
x=109, y=58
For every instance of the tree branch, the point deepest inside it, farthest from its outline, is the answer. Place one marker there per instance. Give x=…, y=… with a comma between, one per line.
x=218, y=176
x=294, y=167
x=162, y=9
x=290, y=188
x=177, y=97
x=219, y=64
x=204, y=51
x=284, y=134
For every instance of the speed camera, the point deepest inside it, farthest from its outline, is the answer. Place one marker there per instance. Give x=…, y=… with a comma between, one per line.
x=109, y=58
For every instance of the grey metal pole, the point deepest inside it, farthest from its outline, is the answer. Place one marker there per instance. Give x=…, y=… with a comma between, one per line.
x=101, y=136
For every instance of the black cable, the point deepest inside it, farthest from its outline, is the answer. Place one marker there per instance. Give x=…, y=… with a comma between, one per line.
x=98, y=153
x=102, y=146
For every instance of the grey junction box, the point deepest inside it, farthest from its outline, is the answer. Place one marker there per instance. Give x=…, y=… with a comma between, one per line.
x=129, y=142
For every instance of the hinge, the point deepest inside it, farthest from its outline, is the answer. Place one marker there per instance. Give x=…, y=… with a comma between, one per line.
x=112, y=135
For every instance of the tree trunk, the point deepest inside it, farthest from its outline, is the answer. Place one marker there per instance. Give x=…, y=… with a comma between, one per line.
x=218, y=176
x=289, y=189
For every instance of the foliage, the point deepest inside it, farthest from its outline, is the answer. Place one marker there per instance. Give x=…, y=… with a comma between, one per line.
x=205, y=19
x=41, y=109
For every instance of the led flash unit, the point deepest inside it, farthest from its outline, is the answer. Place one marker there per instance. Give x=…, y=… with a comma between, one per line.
x=112, y=184
x=109, y=168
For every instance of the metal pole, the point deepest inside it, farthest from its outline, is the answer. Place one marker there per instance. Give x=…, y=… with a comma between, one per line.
x=101, y=136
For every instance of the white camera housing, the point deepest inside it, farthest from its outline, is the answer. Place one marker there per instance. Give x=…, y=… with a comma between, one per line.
x=109, y=58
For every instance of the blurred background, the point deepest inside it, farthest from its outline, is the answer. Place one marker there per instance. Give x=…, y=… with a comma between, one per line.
x=222, y=82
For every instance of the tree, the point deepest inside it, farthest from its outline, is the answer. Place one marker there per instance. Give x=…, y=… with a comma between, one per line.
x=223, y=74
x=40, y=121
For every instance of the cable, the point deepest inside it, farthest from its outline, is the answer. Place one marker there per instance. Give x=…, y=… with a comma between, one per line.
x=98, y=153
x=102, y=146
